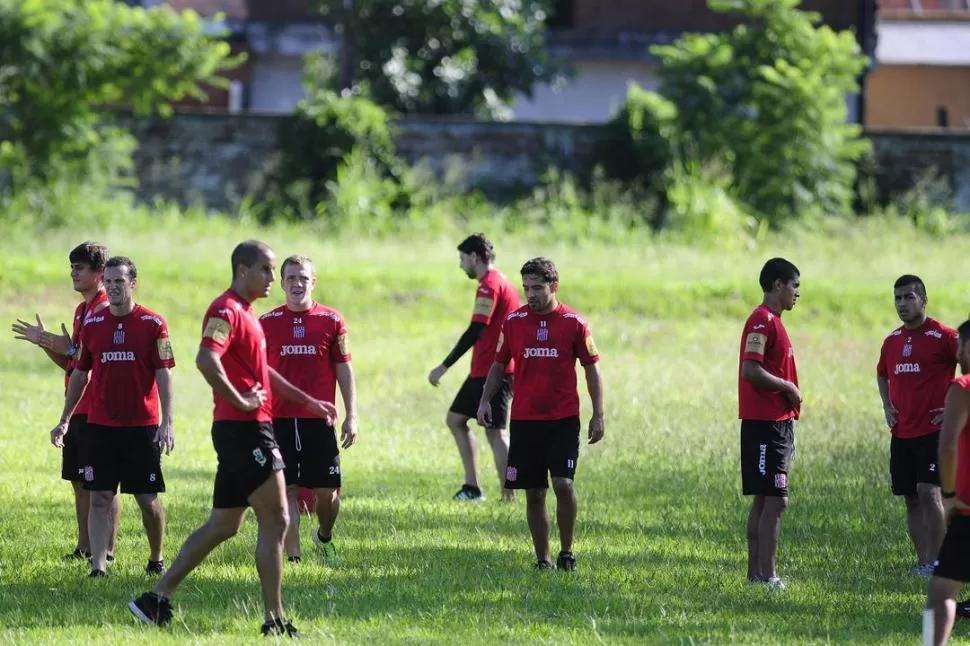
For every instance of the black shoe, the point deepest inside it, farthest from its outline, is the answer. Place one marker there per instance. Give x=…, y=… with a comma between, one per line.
x=566, y=562
x=96, y=574
x=545, y=565
x=155, y=568
x=963, y=609
x=77, y=555
x=279, y=627
x=293, y=559
x=152, y=609
x=469, y=493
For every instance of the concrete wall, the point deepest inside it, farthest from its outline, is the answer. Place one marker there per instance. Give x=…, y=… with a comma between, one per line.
x=218, y=158
x=908, y=96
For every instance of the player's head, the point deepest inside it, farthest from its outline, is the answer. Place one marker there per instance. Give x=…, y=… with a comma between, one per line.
x=475, y=254
x=910, y=296
x=963, y=347
x=781, y=279
x=298, y=278
x=540, y=280
x=87, y=264
x=120, y=279
x=253, y=264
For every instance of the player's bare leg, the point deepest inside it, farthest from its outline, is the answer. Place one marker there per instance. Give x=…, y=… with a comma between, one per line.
x=82, y=507
x=942, y=601
x=467, y=446
x=292, y=540
x=222, y=525
x=153, y=519
x=269, y=504
x=566, y=507
x=917, y=528
x=934, y=523
x=100, y=522
x=328, y=507
x=498, y=439
x=754, y=520
x=538, y=517
x=115, y=522
x=769, y=528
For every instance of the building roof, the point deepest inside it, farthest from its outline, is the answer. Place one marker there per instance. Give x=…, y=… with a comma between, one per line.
x=918, y=42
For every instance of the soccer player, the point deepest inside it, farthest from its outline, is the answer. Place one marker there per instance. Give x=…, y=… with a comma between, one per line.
x=307, y=344
x=545, y=338
x=232, y=358
x=915, y=369
x=495, y=298
x=127, y=350
x=769, y=402
x=952, y=567
x=87, y=269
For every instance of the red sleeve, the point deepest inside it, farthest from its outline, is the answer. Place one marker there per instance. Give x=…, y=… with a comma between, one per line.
x=163, y=357
x=340, y=349
x=759, y=333
x=485, y=301
x=217, y=328
x=951, y=344
x=84, y=357
x=584, y=346
x=503, y=354
x=882, y=369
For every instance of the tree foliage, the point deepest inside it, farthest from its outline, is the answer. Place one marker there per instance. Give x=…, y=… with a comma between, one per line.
x=63, y=60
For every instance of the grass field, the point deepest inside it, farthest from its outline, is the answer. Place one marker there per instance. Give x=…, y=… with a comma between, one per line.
x=660, y=535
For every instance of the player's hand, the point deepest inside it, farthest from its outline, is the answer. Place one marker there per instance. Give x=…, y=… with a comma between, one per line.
x=165, y=437
x=936, y=416
x=58, y=433
x=56, y=343
x=348, y=432
x=253, y=399
x=323, y=409
x=597, y=429
x=793, y=395
x=951, y=506
x=485, y=414
x=892, y=415
x=24, y=331
x=434, y=377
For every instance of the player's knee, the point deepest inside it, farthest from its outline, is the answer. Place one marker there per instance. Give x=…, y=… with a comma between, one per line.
x=927, y=494
x=562, y=486
x=102, y=500
x=776, y=504
x=456, y=423
x=912, y=501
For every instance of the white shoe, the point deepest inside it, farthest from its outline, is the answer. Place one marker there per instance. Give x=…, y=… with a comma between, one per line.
x=775, y=583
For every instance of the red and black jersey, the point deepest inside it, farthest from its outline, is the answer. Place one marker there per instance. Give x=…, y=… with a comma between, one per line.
x=122, y=354
x=84, y=308
x=545, y=348
x=766, y=341
x=305, y=348
x=919, y=365
x=495, y=298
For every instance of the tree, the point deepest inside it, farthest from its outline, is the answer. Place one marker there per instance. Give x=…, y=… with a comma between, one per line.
x=63, y=60
x=442, y=56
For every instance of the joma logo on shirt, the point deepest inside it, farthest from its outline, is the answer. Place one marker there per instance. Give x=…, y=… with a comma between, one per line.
x=117, y=356
x=541, y=353
x=288, y=350
x=906, y=367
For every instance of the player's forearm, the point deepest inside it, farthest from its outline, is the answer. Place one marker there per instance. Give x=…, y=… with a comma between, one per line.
x=755, y=374
x=163, y=376
x=883, y=390
x=493, y=381
x=594, y=384
x=61, y=360
x=286, y=390
x=215, y=375
x=465, y=343
x=75, y=389
x=955, y=415
x=348, y=388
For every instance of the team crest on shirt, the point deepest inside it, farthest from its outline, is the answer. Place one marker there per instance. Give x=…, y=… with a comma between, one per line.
x=119, y=335
x=542, y=333
x=298, y=330
x=907, y=350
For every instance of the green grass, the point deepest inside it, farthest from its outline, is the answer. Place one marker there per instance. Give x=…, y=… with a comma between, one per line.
x=660, y=533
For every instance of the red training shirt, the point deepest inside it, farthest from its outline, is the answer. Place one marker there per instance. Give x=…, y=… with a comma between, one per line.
x=545, y=348
x=766, y=341
x=122, y=353
x=963, y=454
x=305, y=348
x=919, y=365
x=99, y=302
x=495, y=298
x=231, y=329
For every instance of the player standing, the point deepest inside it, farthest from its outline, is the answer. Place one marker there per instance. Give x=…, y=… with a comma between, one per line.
x=915, y=369
x=495, y=298
x=769, y=402
x=545, y=338
x=87, y=270
x=127, y=350
x=307, y=344
x=232, y=358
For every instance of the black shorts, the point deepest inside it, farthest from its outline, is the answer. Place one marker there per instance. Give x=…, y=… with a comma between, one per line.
x=125, y=455
x=911, y=461
x=766, y=454
x=470, y=394
x=539, y=447
x=309, y=449
x=954, y=559
x=72, y=455
x=248, y=455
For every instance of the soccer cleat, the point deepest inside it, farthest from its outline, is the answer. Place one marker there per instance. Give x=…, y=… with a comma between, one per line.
x=544, y=565
x=293, y=559
x=152, y=609
x=469, y=493
x=963, y=609
x=775, y=583
x=155, y=568
x=279, y=627
x=77, y=555
x=97, y=574
x=924, y=569
x=326, y=550
x=566, y=562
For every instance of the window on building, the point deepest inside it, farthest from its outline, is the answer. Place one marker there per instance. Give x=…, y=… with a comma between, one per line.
x=562, y=14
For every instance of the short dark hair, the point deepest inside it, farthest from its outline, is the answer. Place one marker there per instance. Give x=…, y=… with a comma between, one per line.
x=964, y=331
x=123, y=261
x=298, y=260
x=909, y=279
x=247, y=253
x=477, y=243
x=541, y=267
x=777, y=269
x=93, y=254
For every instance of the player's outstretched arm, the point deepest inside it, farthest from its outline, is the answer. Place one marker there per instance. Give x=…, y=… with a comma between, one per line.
x=468, y=339
x=348, y=390
x=166, y=430
x=291, y=393
x=492, y=384
x=39, y=336
x=209, y=364
x=75, y=389
x=594, y=383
